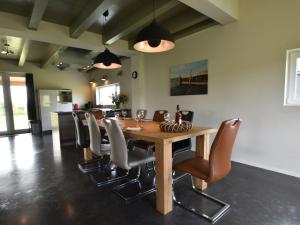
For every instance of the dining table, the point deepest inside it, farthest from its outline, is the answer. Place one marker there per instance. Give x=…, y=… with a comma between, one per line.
x=150, y=131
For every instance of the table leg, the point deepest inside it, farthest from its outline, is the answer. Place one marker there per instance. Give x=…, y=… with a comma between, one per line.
x=202, y=150
x=87, y=154
x=164, y=200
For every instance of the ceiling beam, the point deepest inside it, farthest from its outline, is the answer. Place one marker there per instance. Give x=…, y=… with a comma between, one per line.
x=37, y=13
x=24, y=52
x=15, y=25
x=222, y=11
x=122, y=27
x=54, y=51
x=91, y=13
x=183, y=20
x=195, y=28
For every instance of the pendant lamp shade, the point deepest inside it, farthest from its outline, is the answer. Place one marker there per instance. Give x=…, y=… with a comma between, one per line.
x=107, y=60
x=154, y=38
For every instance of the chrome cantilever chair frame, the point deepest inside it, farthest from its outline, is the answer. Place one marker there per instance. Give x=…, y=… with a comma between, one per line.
x=214, y=218
x=109, y=179
x=97, y=149
x=127, y=160
x=118, y=188
x=215, y=168
x=83, y=143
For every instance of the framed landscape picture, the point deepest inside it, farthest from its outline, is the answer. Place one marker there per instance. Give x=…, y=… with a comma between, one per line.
x=189, y=79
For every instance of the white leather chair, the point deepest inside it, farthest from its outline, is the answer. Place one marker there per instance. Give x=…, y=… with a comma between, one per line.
x=125, y=159
x=100, y=150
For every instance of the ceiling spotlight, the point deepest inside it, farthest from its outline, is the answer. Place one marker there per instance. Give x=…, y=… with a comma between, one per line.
x=104, y=78
x=5, y=50
x=92, y=81
x=62, y=65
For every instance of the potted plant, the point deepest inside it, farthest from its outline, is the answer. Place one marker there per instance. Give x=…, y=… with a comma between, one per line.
x=119, y=99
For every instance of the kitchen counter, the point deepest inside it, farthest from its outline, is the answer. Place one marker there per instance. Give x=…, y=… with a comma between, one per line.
x=63, y=129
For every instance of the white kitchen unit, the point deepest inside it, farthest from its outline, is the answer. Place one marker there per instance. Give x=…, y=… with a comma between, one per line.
x=53, y=101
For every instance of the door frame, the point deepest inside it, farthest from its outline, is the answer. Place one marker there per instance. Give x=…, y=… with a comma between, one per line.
x=8, y=106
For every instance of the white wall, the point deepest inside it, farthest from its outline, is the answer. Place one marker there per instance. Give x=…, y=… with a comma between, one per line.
x=52, y=78
x=246, y=80
x=121, y=76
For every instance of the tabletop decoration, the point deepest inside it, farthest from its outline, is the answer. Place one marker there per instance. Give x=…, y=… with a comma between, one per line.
x=172, y=127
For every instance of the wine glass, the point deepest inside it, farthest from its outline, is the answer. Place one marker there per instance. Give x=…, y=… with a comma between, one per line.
x=104, y=114
x=124, y=113
x=138, y=117
x=142, y=115
x=167, y=117
x=117, y=115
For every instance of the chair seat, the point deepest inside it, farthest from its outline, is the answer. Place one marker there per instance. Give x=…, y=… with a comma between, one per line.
x=197, y=167
x=144, y=144
x=138, y=157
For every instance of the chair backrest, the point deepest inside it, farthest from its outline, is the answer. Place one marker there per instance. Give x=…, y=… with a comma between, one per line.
x=79, y=131
x=142, y=110
x=95, y=134
x=119, y=151
x=187, y=115
x=159, y=115
x=221, y=149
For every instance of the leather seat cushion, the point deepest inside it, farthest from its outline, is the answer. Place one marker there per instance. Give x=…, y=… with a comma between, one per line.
x=138, y=157
x=197, y=167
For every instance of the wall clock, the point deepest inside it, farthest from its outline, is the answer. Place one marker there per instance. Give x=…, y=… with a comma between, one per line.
x=134, y=74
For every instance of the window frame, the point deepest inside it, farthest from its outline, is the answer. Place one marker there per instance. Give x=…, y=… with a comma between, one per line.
x=290, y=98
x=116, y=89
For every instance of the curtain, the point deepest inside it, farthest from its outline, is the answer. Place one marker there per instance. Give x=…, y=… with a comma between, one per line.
x=31, y=108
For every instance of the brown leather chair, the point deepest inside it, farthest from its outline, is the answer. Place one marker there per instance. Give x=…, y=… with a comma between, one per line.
x=217, y=167
x=159, y=115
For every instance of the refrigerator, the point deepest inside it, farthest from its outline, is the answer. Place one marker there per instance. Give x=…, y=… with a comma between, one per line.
x=53, y=101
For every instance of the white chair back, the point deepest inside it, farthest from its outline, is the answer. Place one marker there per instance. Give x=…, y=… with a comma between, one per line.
x=119, y=151
x=95, y=134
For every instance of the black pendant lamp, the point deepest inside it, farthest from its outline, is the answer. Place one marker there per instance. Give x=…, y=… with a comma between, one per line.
x=154, y=38
x=107, y=59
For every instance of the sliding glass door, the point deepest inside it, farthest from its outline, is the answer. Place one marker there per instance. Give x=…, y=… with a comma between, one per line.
x=13, y=104
x=3, y=127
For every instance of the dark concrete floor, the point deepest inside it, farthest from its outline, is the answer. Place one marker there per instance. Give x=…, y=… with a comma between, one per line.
x=42, y=186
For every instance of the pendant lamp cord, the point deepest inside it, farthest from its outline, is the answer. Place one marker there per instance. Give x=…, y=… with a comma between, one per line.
x=153, y=9
x=104, y=22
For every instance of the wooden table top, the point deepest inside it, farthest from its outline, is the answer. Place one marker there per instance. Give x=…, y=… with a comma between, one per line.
x=151, y=131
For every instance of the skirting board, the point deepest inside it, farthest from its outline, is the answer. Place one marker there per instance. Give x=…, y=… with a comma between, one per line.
x=294, y=174
x=274, y=169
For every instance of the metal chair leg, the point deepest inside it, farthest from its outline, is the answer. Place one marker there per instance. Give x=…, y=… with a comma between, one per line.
x=118, y=189
x=91, y=165
x=214, y=218
x=108, y=175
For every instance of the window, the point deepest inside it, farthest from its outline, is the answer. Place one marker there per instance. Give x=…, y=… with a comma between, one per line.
x=292, y=78
x=104, y=94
